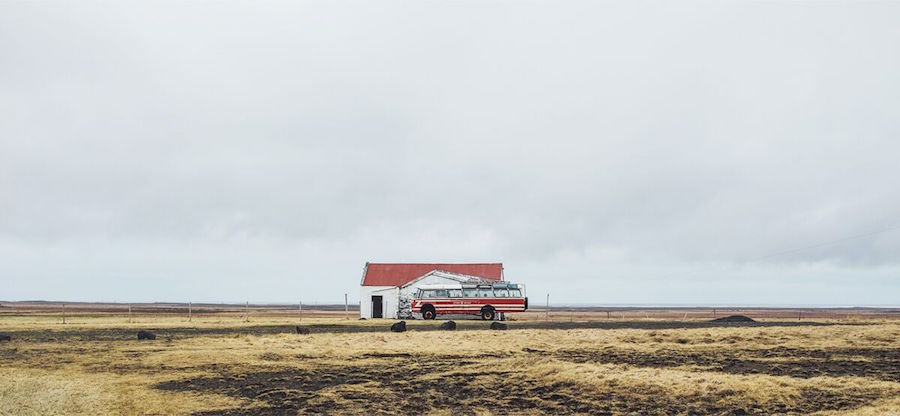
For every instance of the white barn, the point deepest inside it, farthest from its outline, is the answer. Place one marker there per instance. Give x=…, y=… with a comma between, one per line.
x=386, y=289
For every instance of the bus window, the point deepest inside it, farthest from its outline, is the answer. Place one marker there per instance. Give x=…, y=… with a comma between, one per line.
x=501, y=293
x=428, y=293
x=455, y=293
x=440, y=293
x=470, y=292
x=515, y=293
x=484, y=292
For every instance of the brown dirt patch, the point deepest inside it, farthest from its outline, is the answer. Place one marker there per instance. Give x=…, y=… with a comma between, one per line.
x=881, y=364
x=407, y=385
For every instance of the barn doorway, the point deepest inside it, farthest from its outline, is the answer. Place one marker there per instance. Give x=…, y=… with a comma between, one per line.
x=377, y=307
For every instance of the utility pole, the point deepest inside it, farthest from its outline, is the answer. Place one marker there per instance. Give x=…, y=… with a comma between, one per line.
x=548, y=306
x=346, y=308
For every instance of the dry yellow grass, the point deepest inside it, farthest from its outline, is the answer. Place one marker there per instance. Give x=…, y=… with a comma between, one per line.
x=94, y=366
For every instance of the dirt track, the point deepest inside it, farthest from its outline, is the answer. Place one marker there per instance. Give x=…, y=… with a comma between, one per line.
x=113, y=334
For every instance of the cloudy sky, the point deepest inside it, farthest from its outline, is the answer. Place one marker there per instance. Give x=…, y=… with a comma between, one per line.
x=721, y=152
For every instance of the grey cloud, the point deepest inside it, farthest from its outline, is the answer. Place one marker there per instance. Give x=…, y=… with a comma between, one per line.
x=606, y=152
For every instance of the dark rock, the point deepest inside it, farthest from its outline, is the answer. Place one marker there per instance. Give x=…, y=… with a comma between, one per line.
x=142, y=335
x=301, y=330
x=4, y=337
x=734, y=318
x=498, y=326
x=448, y=326
x=399, y=327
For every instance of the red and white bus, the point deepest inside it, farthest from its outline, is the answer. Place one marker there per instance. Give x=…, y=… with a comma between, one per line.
x=486, y=300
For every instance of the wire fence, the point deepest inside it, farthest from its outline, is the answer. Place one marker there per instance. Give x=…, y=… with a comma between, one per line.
x=68, y=313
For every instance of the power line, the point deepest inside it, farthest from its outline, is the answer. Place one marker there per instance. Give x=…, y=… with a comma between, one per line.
x=893, y=226
x=825, y=244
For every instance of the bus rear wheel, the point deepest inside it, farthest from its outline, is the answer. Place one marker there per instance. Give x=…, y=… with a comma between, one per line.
x=487, y=314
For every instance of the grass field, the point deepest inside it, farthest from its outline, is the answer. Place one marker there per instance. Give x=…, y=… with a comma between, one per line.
x=222, y=364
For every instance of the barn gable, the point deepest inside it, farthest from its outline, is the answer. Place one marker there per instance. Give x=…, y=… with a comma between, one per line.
x=440, y=276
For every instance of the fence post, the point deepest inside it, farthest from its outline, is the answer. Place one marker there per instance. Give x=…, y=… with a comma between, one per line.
x=190, y=312
x=129, y=313
x=346, y=308
x=300, y=311
x=247, y=312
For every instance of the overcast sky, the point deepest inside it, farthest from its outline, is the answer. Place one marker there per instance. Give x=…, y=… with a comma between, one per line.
x=607, y=152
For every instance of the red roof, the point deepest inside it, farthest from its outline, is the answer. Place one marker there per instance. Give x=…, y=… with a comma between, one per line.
x=399, y=274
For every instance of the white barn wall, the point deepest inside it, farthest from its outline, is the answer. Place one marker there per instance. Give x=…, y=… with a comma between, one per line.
x=390, y=296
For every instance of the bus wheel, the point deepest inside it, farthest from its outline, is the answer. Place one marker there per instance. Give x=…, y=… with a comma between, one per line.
x=428, y=313
x=487, y=314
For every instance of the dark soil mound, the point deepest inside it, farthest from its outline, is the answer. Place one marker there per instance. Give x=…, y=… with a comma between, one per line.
x=399, y=327
x=448, y=326
x=734, y=318
x=498, y=326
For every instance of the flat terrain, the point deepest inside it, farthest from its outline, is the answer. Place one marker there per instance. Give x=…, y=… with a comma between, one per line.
x=230, y=362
